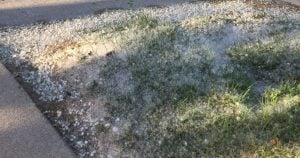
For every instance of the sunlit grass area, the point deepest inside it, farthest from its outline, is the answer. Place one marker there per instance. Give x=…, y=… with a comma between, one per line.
x=220, y=81
x=221, y=123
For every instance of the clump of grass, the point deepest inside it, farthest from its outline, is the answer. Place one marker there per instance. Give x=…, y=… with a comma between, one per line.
x=199, y=128
x=237, y=77
x=259, y=15
x=276, y=60
x=283, y=25
x=222, y=124
x=142, y=21
x=273, y=95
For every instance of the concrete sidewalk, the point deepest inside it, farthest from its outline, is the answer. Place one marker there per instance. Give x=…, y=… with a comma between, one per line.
x=15, y=12
x=24, y=132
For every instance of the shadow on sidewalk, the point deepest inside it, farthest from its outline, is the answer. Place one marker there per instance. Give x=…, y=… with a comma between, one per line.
x=44, y=14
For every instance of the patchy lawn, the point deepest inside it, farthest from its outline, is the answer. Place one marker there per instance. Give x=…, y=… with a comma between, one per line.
x=193, y=80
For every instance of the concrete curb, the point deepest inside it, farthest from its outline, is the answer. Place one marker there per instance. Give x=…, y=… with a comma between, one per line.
x=24, y=132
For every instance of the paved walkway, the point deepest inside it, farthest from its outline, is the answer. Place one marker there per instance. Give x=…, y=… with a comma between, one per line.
x=24, y=132
x=20, y=12
x=30, y=11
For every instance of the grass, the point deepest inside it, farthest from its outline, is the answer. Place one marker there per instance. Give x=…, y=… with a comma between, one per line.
x=222, y=124
x=276, y=60
x=160, y=69
x=186, y=110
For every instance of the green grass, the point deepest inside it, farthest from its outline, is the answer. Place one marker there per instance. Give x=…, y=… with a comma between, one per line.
x=222, y=124
x=177, y=106
x=162, y=70
x=276, y=60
